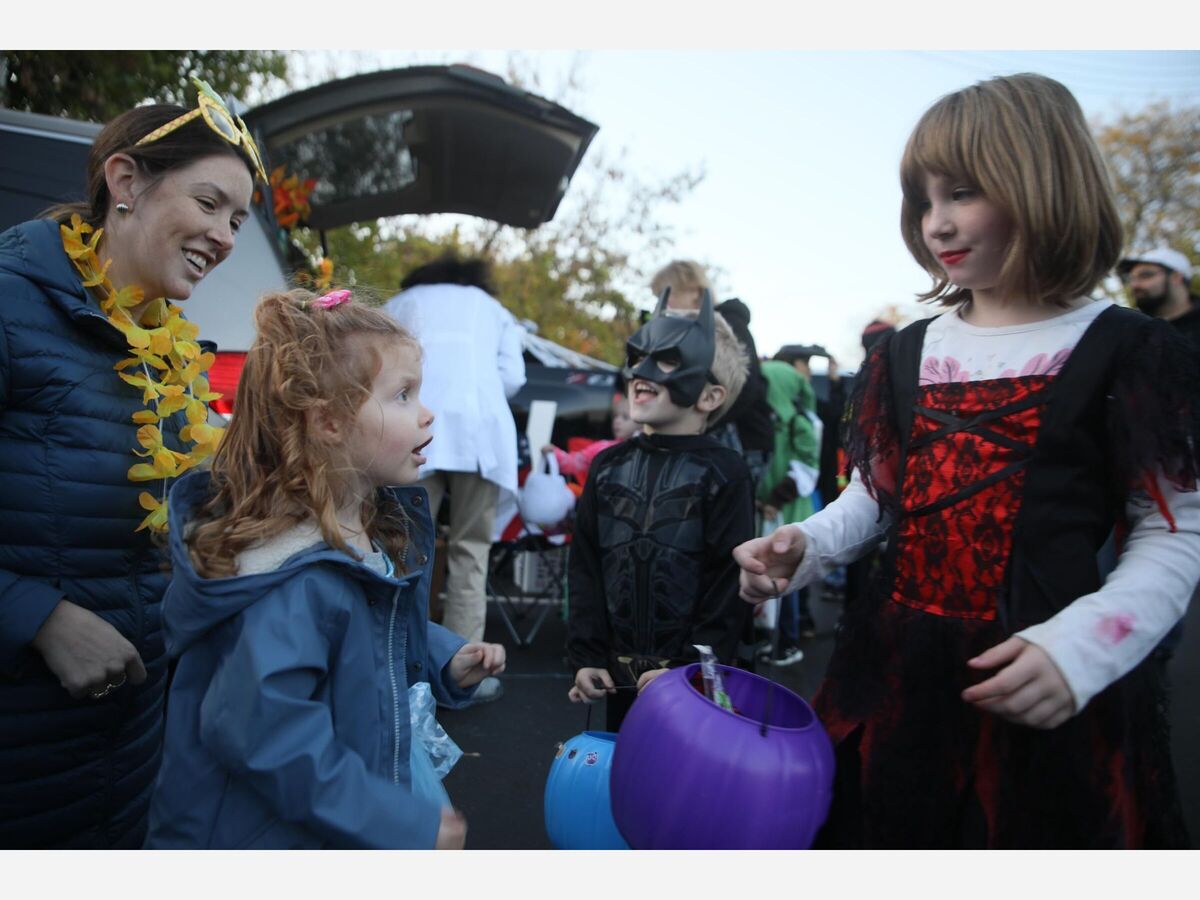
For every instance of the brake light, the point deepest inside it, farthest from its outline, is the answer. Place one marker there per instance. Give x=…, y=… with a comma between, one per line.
x=223, y=378
x=222, y=406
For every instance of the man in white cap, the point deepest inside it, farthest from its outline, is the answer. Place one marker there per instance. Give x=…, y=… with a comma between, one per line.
x=1160, y=283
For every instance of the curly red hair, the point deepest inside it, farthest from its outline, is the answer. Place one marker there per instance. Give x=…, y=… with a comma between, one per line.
x=273, y=470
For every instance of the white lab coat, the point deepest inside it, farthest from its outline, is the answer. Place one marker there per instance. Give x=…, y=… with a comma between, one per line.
x=472, y=365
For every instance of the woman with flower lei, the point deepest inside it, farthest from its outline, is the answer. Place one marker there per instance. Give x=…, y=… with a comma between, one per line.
x=102, y=402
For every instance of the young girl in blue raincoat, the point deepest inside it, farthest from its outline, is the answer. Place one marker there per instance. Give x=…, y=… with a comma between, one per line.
x=297, y=608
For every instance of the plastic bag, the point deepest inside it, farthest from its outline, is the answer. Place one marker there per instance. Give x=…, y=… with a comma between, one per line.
x=425, y=781
x=443, y=752
x=544, y=499
x=433, y=753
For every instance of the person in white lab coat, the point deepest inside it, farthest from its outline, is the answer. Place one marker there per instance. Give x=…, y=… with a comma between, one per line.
x=472, y=364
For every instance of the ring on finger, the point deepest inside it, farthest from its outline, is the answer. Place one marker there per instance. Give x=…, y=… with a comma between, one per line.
x=108, y=688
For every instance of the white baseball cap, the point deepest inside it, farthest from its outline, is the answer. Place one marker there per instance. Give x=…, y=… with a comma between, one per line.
x=1159, y=256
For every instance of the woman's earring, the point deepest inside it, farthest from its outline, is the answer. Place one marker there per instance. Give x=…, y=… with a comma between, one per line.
x=122, y=207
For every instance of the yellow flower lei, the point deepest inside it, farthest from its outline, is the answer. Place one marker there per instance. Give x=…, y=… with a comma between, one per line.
x=171, y=368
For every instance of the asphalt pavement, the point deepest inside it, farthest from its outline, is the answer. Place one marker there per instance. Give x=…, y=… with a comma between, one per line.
x=509, y=744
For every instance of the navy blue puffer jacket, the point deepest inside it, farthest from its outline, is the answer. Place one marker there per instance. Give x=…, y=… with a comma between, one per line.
x=73, y=773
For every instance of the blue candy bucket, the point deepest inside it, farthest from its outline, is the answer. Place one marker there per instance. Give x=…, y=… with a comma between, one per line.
x=577, y=808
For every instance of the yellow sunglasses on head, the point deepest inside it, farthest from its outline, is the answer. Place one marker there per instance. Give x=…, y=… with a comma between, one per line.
x=219, y=119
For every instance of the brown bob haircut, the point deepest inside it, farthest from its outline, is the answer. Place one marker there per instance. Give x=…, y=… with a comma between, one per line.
x=1023, y=142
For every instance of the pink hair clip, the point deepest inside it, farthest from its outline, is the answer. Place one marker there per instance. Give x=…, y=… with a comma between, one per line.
x=332, y=299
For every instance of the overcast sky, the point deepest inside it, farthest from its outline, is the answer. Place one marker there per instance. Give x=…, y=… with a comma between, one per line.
x=800, y=204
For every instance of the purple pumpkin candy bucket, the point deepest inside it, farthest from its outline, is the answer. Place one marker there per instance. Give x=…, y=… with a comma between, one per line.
x=688, y=774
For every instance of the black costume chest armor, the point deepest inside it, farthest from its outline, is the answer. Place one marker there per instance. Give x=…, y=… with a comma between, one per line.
x=650, y=525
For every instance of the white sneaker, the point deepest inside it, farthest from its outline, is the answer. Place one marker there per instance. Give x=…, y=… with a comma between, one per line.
x=788, y=656
x=489, y=689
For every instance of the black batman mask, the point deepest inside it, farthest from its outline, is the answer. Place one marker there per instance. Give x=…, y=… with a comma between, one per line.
x=687, y=343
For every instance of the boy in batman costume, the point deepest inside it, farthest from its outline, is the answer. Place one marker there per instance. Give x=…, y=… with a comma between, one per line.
x=651, y=571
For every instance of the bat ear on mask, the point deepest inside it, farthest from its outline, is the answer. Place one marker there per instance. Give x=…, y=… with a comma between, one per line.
x=688, y=341
x=661, y=309
x=705, y=319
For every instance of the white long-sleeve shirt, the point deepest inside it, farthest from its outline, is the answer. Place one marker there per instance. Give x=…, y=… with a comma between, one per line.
x=472, y=364
x=1099, y=637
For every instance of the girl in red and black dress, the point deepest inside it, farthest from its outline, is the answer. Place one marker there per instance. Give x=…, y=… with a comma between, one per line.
x=996, y=689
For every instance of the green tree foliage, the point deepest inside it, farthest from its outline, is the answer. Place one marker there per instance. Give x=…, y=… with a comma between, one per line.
x=1154, y=157
x=573, y=307
x=100, y=84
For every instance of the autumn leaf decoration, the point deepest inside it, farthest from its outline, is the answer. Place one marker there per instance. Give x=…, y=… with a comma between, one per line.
x=324, y=278
x=165, y=364
x=290, y=196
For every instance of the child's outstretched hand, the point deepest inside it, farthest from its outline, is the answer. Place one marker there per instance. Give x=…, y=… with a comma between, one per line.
x=452, y=833
x=768, y=563
x=648, y=677
x=1028, y=690
x=475, y=661
x=585, y=689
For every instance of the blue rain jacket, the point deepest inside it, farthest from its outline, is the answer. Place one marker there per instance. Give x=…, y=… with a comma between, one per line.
x=288, y=719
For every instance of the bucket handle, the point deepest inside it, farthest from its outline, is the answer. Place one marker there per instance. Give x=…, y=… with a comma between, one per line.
x=776, y=634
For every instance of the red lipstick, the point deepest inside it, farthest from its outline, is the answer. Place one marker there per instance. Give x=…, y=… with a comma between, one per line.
x=951, y=257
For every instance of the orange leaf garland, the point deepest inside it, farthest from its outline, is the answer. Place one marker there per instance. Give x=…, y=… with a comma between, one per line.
x=160, y=341
x=200, y=390
x=143, y=472
x=125, y=298
x=150, y=437
x=157, y=520
x=97, y=278
x=197, y=412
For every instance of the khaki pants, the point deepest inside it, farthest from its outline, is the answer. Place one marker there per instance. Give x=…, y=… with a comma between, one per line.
x=472, y=517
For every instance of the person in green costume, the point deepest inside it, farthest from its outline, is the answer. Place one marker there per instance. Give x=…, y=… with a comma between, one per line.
x=785, y=492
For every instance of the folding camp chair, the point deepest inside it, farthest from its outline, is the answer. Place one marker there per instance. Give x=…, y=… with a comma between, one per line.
x=527, y=579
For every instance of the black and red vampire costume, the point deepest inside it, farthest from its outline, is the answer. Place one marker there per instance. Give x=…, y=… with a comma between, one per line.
x=998, y=495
